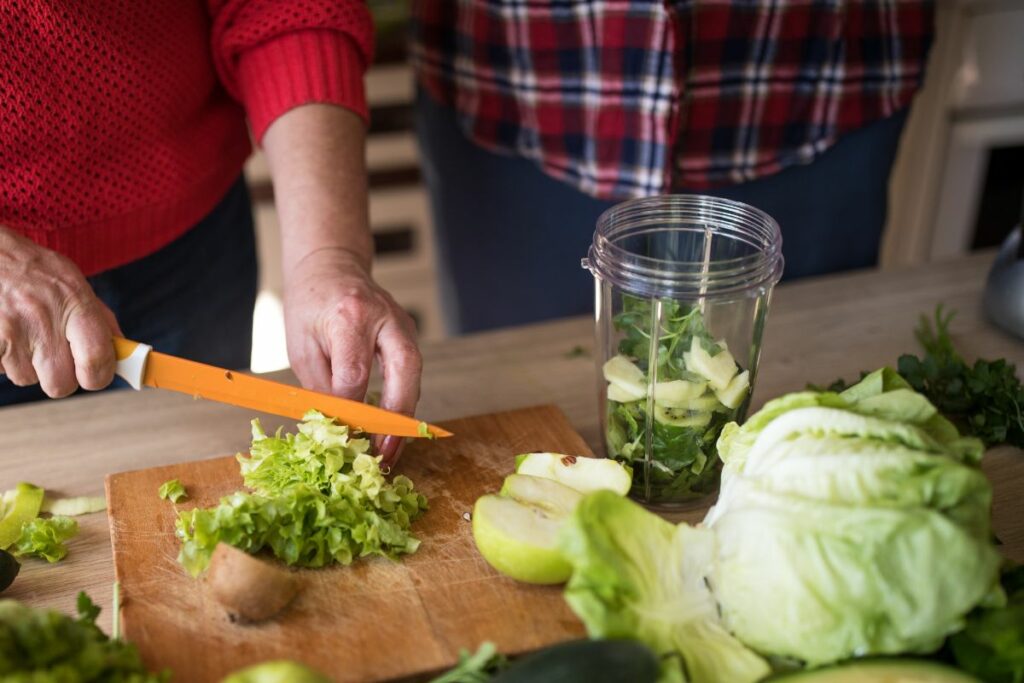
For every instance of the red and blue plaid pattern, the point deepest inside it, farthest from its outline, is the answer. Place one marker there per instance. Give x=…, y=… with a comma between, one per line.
x=626, y=98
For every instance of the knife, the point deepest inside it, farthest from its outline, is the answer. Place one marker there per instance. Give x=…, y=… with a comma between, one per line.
x=138, y=364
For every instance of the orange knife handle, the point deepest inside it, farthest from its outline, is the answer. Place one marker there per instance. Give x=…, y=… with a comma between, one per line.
x=131, y=360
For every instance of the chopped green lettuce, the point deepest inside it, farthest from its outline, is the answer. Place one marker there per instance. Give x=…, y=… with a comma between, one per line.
x=317, y=498
x=172, y=490
x=637, y=576
x=44, y=537
x=44, y=646
x=851, y=524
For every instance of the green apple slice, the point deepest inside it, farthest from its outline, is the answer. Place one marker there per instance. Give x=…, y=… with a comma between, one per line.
x=677, y=392
x=734, y=394
x=517, y=531
x=620, y=395
x=624, y=374
x=583, y=474
x=718, y=370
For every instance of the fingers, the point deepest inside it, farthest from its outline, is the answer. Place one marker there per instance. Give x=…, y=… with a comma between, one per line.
x=310, y=364
x=89, y=333
x=351, y=333
x=15, y=359
x=55, y=367
x=402, y=366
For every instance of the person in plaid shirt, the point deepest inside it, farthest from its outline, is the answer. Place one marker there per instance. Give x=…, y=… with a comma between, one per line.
x=534, y=117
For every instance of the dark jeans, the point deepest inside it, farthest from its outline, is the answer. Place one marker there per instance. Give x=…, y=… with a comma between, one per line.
x=510, y=238
x=193, y=298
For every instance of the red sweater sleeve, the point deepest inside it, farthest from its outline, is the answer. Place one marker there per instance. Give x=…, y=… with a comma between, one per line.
x=274, y=55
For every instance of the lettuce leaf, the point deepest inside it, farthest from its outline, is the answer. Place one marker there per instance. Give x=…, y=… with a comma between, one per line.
x=318, y=498
x=45, y=537
x=172, y=490
x=637, y=576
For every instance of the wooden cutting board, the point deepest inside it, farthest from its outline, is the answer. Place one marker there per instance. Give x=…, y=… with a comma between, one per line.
x=373, y=621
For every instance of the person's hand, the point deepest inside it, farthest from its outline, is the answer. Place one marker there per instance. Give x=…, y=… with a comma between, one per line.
x=337, y=319
x=53, y=329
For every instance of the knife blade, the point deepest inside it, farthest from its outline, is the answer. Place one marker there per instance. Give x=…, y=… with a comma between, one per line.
x=139, y=365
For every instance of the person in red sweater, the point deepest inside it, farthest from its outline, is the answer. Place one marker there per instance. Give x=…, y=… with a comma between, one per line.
x=122, y=138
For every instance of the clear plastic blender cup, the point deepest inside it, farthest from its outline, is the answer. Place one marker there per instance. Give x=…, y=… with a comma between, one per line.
x=682, y=287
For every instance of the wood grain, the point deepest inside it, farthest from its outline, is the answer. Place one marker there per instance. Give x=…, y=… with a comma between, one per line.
x=375, y=620
x=817, y=330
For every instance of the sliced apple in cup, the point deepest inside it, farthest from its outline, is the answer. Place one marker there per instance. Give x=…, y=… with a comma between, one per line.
x=517, y=530
x=586, y=475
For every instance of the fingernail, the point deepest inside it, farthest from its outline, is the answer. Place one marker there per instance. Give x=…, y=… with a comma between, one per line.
x=389, y=449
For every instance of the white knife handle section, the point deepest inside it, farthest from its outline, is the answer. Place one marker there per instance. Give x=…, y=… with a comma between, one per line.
x=132, y=368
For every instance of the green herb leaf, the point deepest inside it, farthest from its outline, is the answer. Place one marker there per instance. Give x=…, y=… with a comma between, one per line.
x=172, y=490
x=45, y=538
x=47, y=646
x=88, y=610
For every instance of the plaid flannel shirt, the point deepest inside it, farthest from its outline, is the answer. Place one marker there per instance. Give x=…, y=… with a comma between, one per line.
x=626, y=98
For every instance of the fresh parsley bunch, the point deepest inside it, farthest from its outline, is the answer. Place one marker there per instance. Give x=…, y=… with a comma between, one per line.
x=44, y=646
x=985, y=400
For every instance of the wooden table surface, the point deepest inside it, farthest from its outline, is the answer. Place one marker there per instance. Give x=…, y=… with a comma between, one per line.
x=817, y=330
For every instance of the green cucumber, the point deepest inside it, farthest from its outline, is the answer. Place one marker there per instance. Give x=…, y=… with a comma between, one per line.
x=585, y=661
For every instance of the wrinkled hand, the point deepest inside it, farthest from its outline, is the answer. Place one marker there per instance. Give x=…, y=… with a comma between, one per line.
x=337, y=319
x=53, y=329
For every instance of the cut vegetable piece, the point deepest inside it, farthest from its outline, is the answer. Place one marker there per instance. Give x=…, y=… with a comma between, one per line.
x=680, y=418
x=718, y=370
x=585, y=475
x=623, y=373
x=520, y=540
x=19, y=506
x=547, y=494
x=702, y=404
x=277, y=671
x=734, y=394
x=678, y=392
x=620, y=395
x=249, y=588
x=74, y=507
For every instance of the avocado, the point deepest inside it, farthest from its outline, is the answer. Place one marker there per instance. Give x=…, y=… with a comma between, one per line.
x=880, y=671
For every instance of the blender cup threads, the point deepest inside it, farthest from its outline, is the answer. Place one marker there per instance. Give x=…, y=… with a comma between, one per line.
x=682, y=285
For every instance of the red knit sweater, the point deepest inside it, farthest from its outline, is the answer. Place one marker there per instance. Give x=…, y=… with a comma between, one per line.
x=122, y=122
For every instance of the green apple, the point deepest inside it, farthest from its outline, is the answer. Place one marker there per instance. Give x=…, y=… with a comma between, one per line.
x=586, y=475
x=517, y=531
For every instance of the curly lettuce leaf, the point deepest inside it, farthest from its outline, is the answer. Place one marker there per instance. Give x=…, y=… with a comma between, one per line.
x=172, y=490
x=318, y=498
x=45, y=537
x=639, y=577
